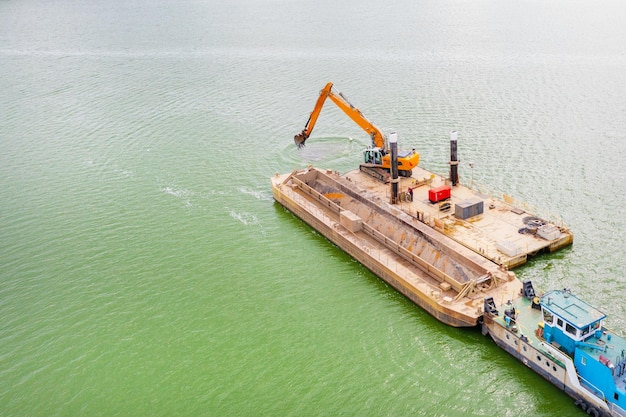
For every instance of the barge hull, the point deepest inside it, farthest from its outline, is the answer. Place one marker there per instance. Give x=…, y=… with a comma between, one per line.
x=453, y=302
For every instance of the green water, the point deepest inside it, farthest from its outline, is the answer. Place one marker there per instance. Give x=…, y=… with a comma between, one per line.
x=145, y=269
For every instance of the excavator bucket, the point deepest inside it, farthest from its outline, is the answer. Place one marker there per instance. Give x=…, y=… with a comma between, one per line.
x=299, y=140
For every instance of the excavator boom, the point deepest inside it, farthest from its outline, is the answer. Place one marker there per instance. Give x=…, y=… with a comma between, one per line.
x=378, y=140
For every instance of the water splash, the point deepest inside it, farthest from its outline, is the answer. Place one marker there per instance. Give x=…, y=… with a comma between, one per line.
x=244, y=218
x=183, y=194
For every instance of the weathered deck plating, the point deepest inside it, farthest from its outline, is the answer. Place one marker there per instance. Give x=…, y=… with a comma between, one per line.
x=500, y=222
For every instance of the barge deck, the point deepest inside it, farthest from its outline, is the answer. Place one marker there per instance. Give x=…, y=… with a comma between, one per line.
x=505, y=232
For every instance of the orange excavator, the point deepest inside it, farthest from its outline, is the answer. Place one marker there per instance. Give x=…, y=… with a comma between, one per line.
x=377, y=156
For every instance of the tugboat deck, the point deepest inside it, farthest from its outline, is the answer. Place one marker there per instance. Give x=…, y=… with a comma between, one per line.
x=528, y=325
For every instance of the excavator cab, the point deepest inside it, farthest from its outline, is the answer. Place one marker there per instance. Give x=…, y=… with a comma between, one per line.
x=373, y=156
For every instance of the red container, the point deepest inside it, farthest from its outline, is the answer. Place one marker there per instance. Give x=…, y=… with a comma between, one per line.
x=439, y=193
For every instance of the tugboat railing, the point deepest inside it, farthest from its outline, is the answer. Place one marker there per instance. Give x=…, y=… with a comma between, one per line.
x=596, y=391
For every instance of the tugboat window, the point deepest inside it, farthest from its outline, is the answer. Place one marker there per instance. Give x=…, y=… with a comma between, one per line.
x=547, y=317
x=559, y=322
x=570, y=329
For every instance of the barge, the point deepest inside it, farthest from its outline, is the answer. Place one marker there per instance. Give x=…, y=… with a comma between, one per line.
x=437, y=273
x=396, y=219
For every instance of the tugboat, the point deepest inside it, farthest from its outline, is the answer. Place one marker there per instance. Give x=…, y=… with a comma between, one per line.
x=563, y=339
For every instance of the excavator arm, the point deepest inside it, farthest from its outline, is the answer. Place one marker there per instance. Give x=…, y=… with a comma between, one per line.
x=301, y=137
x=378, y=140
